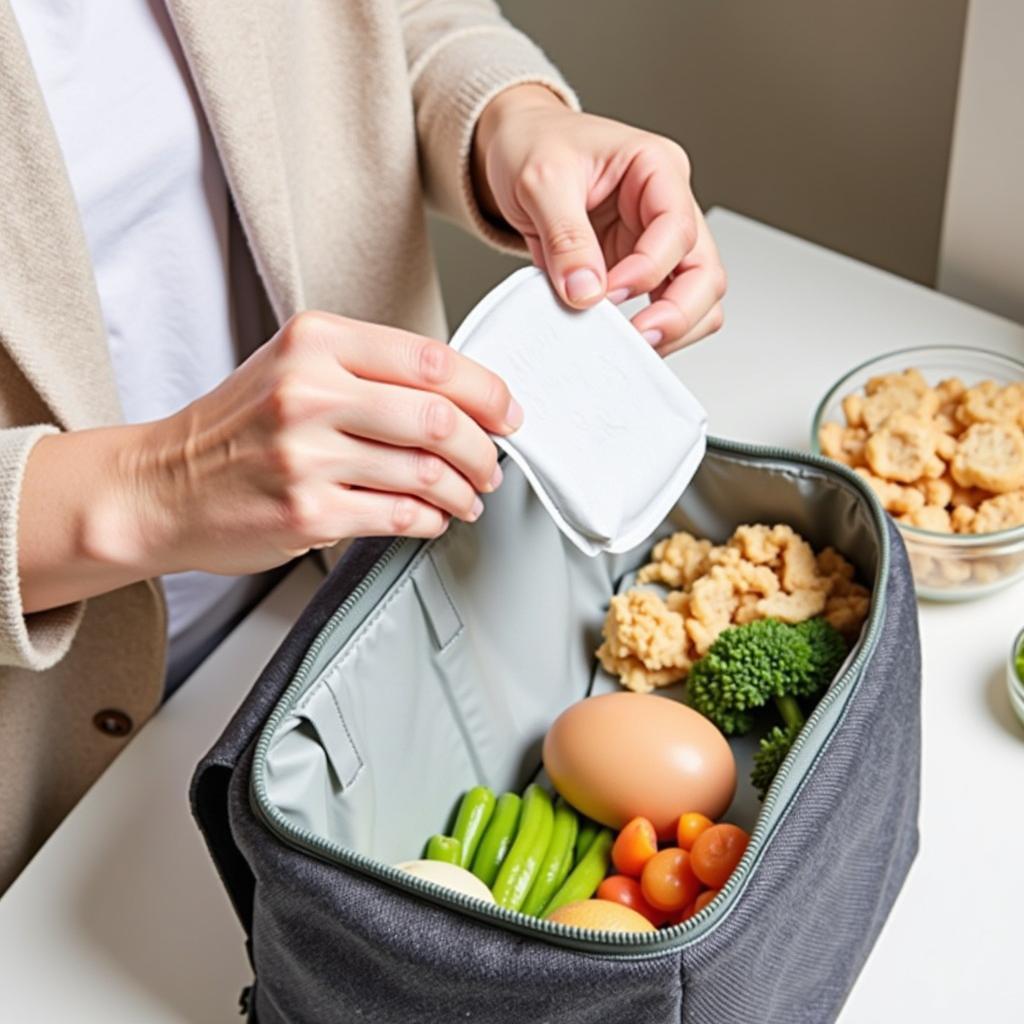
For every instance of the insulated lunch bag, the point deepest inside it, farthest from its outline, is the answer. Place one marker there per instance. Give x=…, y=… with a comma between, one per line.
x=422, y=668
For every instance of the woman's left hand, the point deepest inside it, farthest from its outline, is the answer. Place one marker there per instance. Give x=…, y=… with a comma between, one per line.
x=605, y=209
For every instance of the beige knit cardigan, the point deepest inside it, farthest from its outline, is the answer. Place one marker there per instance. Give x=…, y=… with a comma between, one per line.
x=335, y=123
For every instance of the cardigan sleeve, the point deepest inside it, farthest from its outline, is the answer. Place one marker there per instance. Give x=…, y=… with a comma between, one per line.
x=39, y=640
x=461, y=54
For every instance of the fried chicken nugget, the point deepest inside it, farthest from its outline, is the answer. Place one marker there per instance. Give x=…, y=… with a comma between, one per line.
x=962, y=518
x=988, y=402
x=761, y=544
x=895, y=498
x=748, y=578
x=645, y=642
x=910, y=378
x=903, y=449
x=937, y=492
x=747, y=610
x=898, y=397
x=799, y=567
x=713, y=602
x=990, y=455
x=793, y=607
x=760, y=572
x=847, y=612
x=930, y=517
x=948, y=427
x=676, y=561
x=834, y=566
x=853, y=410
x=999, y=513
x=844, y=444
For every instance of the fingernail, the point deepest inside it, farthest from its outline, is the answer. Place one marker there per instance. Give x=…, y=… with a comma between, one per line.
x=582, y=284
x=496, y=477
x=514, y=415
x=652, y=337
x=619, y=295
x=476, y=511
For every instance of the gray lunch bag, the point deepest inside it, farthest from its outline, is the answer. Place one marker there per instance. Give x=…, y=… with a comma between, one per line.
x=420, y=669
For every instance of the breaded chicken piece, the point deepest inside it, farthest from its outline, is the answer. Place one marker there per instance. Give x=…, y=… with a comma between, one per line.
x=645, y=643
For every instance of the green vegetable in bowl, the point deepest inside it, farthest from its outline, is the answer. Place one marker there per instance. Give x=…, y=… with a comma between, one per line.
x=1018, y=663
x=750, y=666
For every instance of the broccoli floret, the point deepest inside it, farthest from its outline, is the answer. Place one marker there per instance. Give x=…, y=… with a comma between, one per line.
x=750, y=666
x=768, y=759
x=828, y=650
x=744, y=668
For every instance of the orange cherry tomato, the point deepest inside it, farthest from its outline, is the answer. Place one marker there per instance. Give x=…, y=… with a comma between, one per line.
x=668, y=881
x=704, y=899
x=634, y=846
x=716, y=852
x=681, y=915
x=627, y=891
x=690, y=826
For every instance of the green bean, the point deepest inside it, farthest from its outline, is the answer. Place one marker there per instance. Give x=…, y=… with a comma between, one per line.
x=584, y=879
x=474, y=814
x=585, y=836
x=497, y=838
x=557, y=861
x=520, y=867
x=443, y=848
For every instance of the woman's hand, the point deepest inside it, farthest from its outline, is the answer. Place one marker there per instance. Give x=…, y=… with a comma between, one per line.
x=605, y=209
x=332, y=429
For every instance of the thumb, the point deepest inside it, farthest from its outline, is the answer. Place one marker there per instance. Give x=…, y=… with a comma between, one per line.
x=572, y=255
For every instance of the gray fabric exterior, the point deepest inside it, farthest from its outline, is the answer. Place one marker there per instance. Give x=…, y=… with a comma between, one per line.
x=333, y=944
x=794, y=944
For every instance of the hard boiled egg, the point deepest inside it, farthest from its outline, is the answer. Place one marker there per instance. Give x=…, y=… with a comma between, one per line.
x=451, y=876
x=621, y=755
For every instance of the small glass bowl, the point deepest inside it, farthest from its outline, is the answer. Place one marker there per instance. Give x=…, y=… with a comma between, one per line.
x=946, y=566
x=1014, y=682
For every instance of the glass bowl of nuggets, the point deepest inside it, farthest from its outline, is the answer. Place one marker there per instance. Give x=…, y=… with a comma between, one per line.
x=938, y=433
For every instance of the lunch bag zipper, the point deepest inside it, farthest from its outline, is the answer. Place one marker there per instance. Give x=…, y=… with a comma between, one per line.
x=630, y=944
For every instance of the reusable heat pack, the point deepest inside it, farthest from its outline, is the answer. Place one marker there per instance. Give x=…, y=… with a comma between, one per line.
x=611, y=437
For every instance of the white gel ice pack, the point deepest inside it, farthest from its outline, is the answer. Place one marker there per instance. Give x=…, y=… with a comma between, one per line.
x=611, y=437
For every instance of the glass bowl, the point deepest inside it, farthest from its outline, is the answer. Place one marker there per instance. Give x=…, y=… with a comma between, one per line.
x=1014, y=679
x=946, y=566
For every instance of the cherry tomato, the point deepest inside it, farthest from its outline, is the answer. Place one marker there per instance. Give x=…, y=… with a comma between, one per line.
x=681, y=915
x=668, y=881
x=634, y=846
x=690, y=826
x=716, y=852
x=704, y=899
x=627, y=891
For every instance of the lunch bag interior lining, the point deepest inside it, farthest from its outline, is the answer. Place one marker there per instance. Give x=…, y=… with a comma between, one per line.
x=453, y=679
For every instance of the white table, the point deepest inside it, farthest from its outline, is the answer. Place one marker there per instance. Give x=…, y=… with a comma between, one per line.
x=121, y=918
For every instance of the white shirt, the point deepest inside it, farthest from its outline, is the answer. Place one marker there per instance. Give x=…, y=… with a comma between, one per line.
x=154, y=205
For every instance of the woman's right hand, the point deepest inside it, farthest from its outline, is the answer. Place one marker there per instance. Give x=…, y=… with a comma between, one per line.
x=332, y=429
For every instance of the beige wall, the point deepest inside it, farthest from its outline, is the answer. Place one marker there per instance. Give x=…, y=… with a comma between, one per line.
x=982, y=254
x=828, y=118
